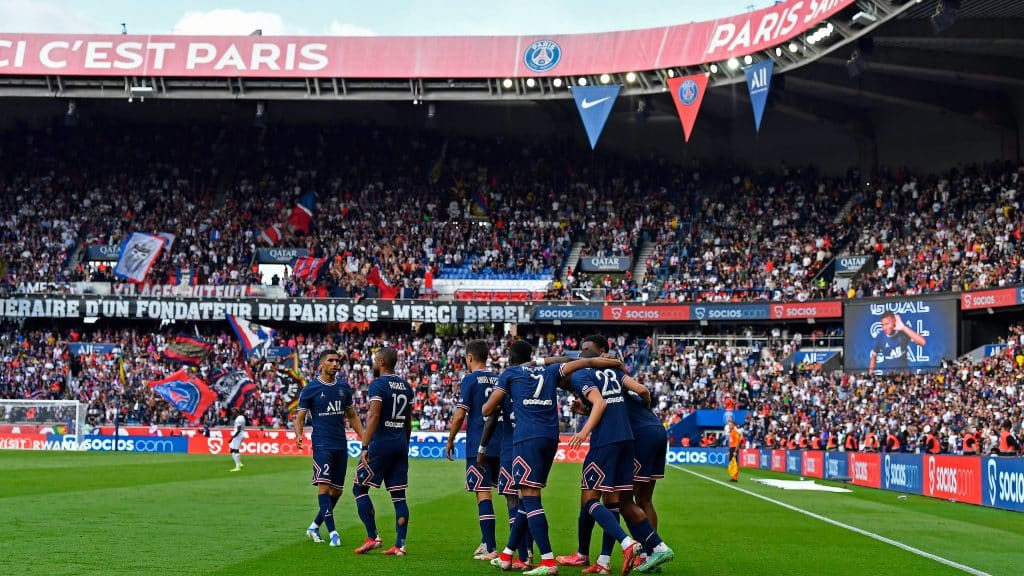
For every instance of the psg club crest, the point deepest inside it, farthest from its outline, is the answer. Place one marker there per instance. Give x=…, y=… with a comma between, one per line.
x=542, y=55
x=688, y=92
x=183, y=395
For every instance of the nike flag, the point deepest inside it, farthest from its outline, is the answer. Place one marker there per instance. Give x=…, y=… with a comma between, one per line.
x=188, y=394
x=250, y=335
x=301, y=217
x=595, y=104
x=138, y=253
x=759, y=80
x=688, y=93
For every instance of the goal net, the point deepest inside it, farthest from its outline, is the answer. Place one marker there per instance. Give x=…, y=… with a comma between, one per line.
x=45, y=416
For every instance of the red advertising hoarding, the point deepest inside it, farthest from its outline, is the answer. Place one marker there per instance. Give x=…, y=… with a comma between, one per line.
x=802, y=310
x=750, y=458
x=989, y=299
x=866, y=469
x=665, y=313
x=953, y=478
x=778, y=460
x=411, y=56
x=814, y=464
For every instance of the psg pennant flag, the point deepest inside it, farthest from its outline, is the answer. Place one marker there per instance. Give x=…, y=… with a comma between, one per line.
x=688, y=93
x=759, y=80
x=595, y=104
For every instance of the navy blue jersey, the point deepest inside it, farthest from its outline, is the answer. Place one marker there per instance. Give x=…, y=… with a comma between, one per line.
x=614, y=424
x=534, y=391
x=507, y=430
x=640, y=415
x=476, y=389
x=395, y=396
x=326, y=405
x=891, y=352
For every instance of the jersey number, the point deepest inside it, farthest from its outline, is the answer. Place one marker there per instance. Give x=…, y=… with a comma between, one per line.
x=609, y=382
x=401, y=402
x=540, y=384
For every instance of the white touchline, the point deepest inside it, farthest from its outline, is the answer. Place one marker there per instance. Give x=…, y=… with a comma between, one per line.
x=860, y=531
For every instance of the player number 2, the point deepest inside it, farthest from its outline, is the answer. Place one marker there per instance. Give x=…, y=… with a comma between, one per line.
x=399, y=406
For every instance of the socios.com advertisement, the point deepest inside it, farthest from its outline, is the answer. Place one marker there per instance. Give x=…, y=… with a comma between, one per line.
x=703, y=456
x=1003, y=483
x=899, y=335
x=121, y=443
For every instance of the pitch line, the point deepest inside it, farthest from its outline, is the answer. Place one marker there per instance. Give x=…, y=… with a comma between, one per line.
x=860, y=531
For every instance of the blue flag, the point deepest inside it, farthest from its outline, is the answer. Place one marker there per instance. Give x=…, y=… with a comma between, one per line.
x=595, y=104
x=759, y=80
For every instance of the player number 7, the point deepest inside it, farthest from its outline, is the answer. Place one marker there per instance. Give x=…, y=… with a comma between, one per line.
x=540, y=384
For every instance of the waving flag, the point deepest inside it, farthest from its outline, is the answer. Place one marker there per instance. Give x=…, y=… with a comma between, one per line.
x=187, y=350
x=234, y=387
x=137, y=255
x=188, y=394
x=377, y=278
x=271, y=235
x=301, y=217
x=307, y=267
x=250, y=335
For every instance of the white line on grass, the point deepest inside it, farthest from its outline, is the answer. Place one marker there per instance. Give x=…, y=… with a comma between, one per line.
x=860, y=531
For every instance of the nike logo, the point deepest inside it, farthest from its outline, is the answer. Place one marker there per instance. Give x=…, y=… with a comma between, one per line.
x=588, y=104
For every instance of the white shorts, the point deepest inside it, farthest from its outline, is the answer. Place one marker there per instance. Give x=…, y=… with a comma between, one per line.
x=236, y=444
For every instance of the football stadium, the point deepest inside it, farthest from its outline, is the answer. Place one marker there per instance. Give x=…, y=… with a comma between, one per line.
x=725, y=297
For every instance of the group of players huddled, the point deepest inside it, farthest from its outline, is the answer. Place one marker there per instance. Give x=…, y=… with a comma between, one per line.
x=513, y=424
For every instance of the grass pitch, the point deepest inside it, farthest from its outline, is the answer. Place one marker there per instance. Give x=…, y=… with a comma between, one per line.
x=105, y=513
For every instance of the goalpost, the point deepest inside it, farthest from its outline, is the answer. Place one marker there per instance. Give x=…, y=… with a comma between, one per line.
x=62, y=416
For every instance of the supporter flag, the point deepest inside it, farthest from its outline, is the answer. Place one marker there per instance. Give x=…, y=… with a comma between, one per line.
x=759, y=80
x=301, y=217
x=377, y=278
x=137, y=255
x=169, y=237
x=187, y=350
x=595, y=104
x=122, y=375
x=184, y=277
x=250, y=335
x=480, y=203
x=234, y=387
x=190, y=395
x=435, y=170
x=688, y=93
x=271, y=235
x=293, y=385
x=307, y=267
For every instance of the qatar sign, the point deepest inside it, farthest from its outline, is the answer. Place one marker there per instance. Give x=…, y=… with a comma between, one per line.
x=411, y=56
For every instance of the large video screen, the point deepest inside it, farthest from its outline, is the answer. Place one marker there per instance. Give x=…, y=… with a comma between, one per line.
x=899, y=335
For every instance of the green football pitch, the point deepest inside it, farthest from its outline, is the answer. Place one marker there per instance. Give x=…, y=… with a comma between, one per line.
x=104, y=513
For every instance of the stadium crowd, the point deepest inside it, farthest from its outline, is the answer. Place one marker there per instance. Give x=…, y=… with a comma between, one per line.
x=745, y=371
x=485, y=208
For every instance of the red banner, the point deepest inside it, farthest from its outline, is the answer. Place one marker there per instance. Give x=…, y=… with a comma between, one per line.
x=688, y=93
x=628, y=313
x=953, y=478
x=23, y=441
x=566, y=454
x=778, y=460
x=989, y=299
x=813, y=309
x=280, y=446
x=814, y=464
x=411, y=56
x=750, y=458
x=866, y=469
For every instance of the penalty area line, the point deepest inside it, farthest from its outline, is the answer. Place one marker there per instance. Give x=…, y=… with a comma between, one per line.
x=828, y=520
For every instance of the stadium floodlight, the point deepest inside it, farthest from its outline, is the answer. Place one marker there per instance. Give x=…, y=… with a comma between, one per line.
x=748, y=60
x=507, y=82
x=530, y=82
x=793, y=47
x=713, y=68
x=582, y=81
x=631, y=77
x=733, y=63
x=864, y=18
x=778, y=51
x=605, y=78
x=557, y=82
x=671, y=73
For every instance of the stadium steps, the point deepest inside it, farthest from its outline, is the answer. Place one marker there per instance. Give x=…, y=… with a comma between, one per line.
x=573, y=259
x=640, y=266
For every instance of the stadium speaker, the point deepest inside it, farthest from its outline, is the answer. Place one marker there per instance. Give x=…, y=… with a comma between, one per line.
x=860, y=57
x=945, y=14
x=71, y=116
x=259, y=121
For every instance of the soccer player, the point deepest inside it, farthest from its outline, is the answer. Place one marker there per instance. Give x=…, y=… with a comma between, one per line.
x=608, y=471
x=891, y=349
x=476, y=387
x=328, y=402
x=385, y=455
x=533, y=391
x=236, y=439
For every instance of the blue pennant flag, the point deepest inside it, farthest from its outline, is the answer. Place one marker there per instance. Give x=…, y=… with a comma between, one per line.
x=759, y=80
x=595, y=104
